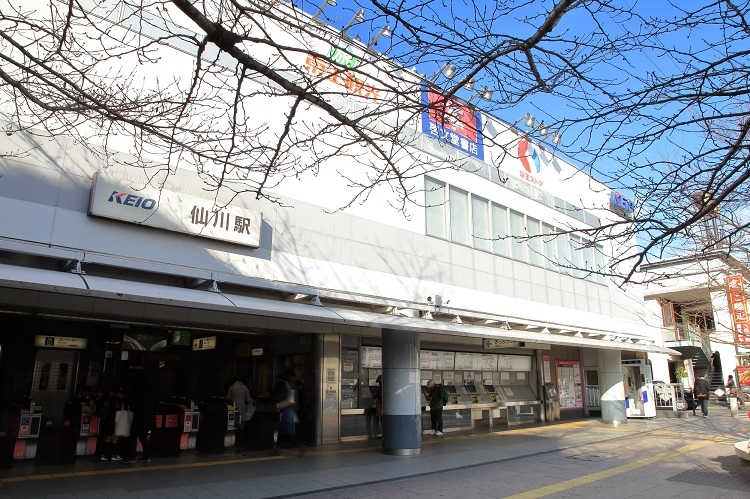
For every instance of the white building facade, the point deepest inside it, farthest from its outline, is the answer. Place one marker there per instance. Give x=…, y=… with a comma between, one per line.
x=486, y=285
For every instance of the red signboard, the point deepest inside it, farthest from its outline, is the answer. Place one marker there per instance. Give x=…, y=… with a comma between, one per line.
x=738, y=309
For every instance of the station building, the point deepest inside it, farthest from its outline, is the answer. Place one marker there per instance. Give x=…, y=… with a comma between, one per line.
x=488, y=284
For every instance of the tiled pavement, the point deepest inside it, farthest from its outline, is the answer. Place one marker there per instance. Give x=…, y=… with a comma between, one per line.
x=662, y=457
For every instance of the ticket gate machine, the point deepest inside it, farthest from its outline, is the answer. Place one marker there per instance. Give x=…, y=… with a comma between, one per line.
x=29, y=420
x=189, y=422
x=80, y=428
x=217, y=424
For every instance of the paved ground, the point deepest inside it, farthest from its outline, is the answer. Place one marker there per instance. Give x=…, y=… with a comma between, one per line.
x=663, y=457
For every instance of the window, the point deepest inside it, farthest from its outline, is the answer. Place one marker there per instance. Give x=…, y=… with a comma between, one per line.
x=458, y=203
x=563, y=253
x=500, y=243
x=576, y=256
x=599, y=259
x=533, y=227
x=457, y=215
x=481, y=223
x=550, y=247
x=436, y=210
x=589, y=260
x=517, y=229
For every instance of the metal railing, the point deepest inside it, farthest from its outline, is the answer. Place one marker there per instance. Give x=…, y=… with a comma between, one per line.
x=671, y=396
x=593, y=400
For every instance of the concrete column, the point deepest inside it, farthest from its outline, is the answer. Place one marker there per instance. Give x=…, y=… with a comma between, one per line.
x=402, y=423
x=611, y=388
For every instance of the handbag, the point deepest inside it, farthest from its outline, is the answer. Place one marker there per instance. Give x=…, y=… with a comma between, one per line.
x=289, y=401
x=249, y=411
x=123, y=420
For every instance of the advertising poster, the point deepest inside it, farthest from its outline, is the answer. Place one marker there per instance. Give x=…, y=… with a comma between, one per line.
x=743, y=377
x=569, y=385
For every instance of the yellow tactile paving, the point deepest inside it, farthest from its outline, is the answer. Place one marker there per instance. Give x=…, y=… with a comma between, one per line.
x=601, y=475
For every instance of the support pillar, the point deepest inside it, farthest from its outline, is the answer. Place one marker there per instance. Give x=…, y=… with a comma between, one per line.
x=402, y=415
x=611, y=388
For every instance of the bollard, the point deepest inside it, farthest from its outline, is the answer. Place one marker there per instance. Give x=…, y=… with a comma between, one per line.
x=733, y=407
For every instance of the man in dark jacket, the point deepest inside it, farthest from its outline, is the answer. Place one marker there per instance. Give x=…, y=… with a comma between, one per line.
x=438, y=398
x=701, y=390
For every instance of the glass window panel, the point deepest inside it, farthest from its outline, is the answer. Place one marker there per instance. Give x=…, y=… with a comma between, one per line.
x=435, y=208
x=550, y=248
x=590, y=263
x=599, y=258
x=576, y=256
x=459, y=213
x=480, y=219
x=500, y=243
x=533, y=226
x=518, y=231
x=563, y=253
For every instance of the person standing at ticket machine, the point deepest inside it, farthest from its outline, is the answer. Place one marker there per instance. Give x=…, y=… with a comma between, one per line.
x=438, y=398
x=239, y=394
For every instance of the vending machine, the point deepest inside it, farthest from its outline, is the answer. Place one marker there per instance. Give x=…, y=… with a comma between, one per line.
x=639, y=389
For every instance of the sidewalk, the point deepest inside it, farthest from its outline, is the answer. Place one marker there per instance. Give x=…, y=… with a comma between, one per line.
x=662, y=457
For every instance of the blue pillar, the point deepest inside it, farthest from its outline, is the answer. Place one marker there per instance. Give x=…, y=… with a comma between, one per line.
x=402, y=416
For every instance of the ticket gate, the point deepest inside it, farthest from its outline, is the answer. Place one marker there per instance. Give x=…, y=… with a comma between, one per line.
x=165, y=437
x=189, y=421
x=28, y=419
x=217, y=425
x=80, y=429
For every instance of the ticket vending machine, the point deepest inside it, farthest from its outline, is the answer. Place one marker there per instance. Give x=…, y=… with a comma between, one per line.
x=639, y=389
x=349, y=393
x=492, y=393
x=29, y=421
x=473, y=394
x=453, y=396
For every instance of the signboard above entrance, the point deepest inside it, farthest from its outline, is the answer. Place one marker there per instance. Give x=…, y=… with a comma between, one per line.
x=119, y=199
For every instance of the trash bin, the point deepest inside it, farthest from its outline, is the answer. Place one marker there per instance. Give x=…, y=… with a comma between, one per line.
x=216, y=425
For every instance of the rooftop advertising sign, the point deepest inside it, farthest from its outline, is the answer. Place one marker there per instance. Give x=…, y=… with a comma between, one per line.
x=163, y=209
x=452, y=122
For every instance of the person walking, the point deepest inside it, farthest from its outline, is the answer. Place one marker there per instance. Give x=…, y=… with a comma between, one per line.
x=283, y=396
x=239, y=394
x=141, y=402
x=702, y=390
x=438, y=398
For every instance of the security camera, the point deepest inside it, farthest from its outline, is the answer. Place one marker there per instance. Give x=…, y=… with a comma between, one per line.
x=429, y=299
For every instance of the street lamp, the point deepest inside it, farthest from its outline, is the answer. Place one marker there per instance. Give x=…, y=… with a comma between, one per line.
x=358, y=17
x=384, y=31
x=448, y=71
x=325, y=3
x=542, y=128
x=485, y=93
